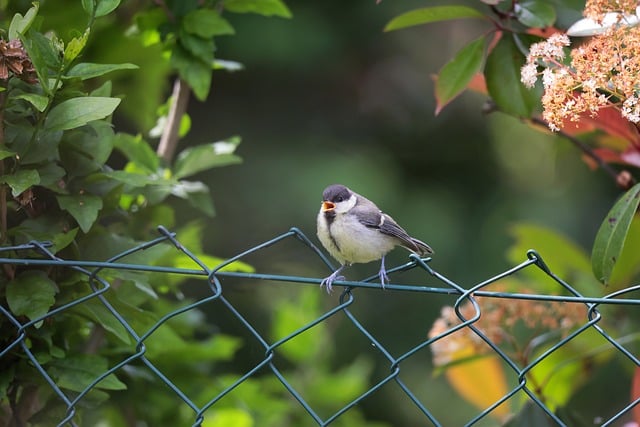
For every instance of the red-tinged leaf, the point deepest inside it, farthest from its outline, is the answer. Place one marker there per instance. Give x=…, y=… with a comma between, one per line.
x=455, y=76
x=494, y=41
x=635, y=394
x=431, y=14
x=611, y=121
x=608, y=120
x=478, y=84
x=606, y=154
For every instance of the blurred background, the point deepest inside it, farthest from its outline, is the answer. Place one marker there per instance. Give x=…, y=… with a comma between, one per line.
x=328, y=97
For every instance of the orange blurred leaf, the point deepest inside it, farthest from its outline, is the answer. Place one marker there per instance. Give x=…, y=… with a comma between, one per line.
x=480, y=381
x=635, y=394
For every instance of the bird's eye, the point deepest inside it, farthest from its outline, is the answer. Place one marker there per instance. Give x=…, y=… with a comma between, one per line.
x=339, y=199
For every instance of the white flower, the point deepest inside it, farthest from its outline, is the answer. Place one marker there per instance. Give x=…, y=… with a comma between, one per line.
x=529, y=75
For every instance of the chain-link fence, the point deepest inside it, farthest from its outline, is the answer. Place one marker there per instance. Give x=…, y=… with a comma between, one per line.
x=38, y=254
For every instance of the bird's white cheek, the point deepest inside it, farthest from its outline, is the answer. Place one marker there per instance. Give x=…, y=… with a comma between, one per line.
x=346, y=205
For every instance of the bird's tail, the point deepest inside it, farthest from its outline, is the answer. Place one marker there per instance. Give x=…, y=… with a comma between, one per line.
x=421, y=248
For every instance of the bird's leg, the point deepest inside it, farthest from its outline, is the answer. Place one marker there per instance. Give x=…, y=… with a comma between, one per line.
x=329, y=280
x=382, y=274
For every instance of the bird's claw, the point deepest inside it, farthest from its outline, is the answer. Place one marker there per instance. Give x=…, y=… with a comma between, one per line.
x=384, y=279
x=328, y=282
x=382, y=274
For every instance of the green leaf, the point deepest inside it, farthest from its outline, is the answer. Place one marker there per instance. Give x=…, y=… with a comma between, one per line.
x=4, y=154
x=75, y=46
x=195, y=72
x=44, y=55
x=206, y=23
x=100, y=315
x=31, y=294
x=202, y=157
x=613, y=233
x=565, y=256
x=261, y=7
x=21, y=180
x=201, y=48
x=20, y=24
x=535, y=13
x=50, y=176
x=44, y=149
x=138, y=151
x=83, y=208
x=431, y=14
x=196, y=193
x=87, y=70
x=76, y=112
x=105, y=7
x=76, y=372
x=86, y=149
x=88, y=6
x=628, y=263
x=502, y=74
x=38, y=101
x=229, y=417
x=45, y=227
x=457, y=73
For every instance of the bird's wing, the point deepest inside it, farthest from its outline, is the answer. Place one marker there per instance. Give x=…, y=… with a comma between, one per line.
x=385, y=224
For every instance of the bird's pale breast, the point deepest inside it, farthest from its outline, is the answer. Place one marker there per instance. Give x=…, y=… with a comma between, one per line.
x=349, y=241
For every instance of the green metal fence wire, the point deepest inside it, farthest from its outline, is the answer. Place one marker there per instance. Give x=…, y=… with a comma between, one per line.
x=42, y=256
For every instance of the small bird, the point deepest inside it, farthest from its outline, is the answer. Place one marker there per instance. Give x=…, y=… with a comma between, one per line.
x=354, y=230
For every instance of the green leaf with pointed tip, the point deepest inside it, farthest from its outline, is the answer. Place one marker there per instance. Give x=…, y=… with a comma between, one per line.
x=87, y=70
x=195, y=72
x=83, y=208
x=612, y=234
x=206, y=156
x=96, y=311
x=21, y=180
x=138, y=151
x=38, y=101
x=6, y=153
x=76, y=112
x=206, y=23
x=78, y=371
x=44, y=54
x=75, y=46
x=457, y=73
x=628, y=263
x=105, y=7
x=31, y=294
x=502, y=74
x=261, y=7
x=535, y=14
x=20, y=24
x=431, y=14
x=196, y=193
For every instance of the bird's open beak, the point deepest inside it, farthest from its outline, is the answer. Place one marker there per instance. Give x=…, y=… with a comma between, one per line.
x=328, y=206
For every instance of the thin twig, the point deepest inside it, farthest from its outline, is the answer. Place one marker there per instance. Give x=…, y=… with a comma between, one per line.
x=588, y=151
x=170, y=134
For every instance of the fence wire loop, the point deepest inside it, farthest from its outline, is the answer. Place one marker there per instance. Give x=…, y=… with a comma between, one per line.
x=39, y=254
